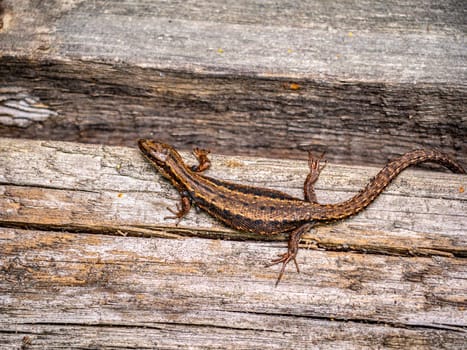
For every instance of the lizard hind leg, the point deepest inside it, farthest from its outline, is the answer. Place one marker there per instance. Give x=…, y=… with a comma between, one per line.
x=292, y=250
x=315, y=170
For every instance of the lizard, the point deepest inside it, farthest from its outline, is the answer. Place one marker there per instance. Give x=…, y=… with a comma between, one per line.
x=266, y=211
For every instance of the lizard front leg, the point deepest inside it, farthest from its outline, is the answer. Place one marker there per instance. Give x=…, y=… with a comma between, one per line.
x=203, y=164
x=203, y=160
x=182, y=209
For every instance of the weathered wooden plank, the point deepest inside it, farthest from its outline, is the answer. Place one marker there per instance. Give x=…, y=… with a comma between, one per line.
x=363, y=81
x=111, y=189
x=82, y=290
x=100, y=287
x=355, y=41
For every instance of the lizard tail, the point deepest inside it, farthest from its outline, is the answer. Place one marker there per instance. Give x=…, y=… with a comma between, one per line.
x=381, y=180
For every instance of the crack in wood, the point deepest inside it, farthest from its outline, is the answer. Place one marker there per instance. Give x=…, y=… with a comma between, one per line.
x=178, y=233
x=444, y=327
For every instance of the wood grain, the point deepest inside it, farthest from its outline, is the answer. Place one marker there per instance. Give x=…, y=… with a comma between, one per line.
x=86, y=291
x=78, y=183
x=89, y=262
x=363, y=81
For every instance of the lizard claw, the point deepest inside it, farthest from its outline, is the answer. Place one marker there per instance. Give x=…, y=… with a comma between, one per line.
x=292, y=250
x=175, y=212
x=314, y=163
x=177, y=215
x=284, y=259
x=182, y=209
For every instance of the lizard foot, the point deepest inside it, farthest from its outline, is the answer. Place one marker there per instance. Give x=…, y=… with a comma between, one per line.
x=182, y=209
x=284, y=259
x=292, y=250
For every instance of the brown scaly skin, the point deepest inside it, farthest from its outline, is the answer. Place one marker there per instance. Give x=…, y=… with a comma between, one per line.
x=265, y=211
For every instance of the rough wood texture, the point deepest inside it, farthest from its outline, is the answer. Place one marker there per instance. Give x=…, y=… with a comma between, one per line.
x=93, y=291
x=88, y=261
x=363, y=80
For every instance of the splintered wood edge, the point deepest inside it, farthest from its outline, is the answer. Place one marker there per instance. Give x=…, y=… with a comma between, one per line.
x=113, y=190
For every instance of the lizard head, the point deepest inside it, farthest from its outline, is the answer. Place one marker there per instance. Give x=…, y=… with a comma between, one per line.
x=163, y=156
x=156, y=152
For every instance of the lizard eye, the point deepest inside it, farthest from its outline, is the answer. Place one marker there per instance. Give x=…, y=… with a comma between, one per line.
x=155, y=151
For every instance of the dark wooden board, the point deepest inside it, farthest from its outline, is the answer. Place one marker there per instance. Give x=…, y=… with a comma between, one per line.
x=363, y=81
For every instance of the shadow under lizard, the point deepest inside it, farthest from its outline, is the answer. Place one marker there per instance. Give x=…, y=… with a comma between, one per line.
x=266, y=211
